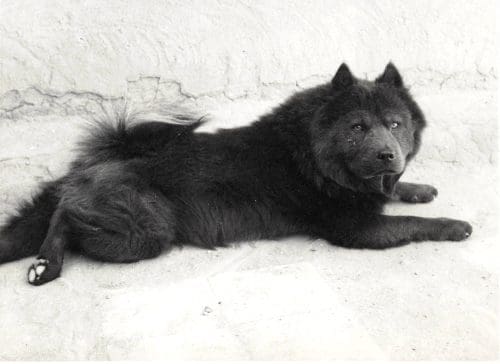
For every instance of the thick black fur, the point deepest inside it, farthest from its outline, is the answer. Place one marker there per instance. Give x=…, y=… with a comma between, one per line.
x=323, y=164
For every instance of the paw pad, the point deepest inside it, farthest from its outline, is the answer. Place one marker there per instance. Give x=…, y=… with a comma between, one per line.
x=36, y=270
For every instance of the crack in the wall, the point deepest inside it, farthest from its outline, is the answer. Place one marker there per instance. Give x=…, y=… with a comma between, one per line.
x=21, y=104
x=35, y=101
x=147, y=89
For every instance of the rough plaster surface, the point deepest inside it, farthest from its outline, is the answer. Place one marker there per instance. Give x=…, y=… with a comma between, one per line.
x=61, y=63
x=72, y=56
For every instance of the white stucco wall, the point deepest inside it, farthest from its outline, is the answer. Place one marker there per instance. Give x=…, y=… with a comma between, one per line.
x=61, y=61
x=75, y=52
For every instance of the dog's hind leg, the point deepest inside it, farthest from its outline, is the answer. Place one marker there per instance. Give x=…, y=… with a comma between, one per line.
x=50, y=258
x=126, y=226
x=23, y=233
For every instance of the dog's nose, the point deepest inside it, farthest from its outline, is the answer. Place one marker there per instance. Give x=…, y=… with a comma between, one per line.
x=385, y=156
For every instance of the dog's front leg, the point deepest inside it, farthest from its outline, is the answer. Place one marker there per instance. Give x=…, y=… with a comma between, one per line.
x=413, y=192
x=383, y=231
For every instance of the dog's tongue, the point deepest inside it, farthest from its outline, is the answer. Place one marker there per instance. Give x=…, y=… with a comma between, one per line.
x=375, y=184
x=387, y=185
x=382, y=184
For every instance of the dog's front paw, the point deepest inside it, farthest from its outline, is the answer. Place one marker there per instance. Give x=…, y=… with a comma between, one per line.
x=419, y=194
x=42, y=272
x=454, y=230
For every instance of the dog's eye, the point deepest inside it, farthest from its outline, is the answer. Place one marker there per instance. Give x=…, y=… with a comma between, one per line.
x=357, y=127
x=394, y=125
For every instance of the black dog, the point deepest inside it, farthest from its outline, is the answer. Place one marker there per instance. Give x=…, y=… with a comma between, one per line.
x=322, y=164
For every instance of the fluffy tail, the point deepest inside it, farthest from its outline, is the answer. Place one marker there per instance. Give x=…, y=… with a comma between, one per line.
x=23, y=234
x=123, y=137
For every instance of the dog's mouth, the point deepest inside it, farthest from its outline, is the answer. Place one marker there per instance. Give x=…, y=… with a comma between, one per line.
x=365, y=170
x=383, y=172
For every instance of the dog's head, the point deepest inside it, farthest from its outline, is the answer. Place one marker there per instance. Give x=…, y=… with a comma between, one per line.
x=366, y=133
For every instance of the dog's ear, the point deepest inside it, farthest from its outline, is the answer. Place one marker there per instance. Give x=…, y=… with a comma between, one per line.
x=343, y=78
x=390, y=76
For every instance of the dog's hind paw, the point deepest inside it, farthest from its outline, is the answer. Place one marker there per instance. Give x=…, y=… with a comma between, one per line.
x=42, y=272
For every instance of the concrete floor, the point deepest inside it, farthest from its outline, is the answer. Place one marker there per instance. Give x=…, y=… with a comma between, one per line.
x=288, y=300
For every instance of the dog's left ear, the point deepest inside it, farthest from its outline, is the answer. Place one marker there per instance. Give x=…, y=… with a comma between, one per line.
x=390, y=76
